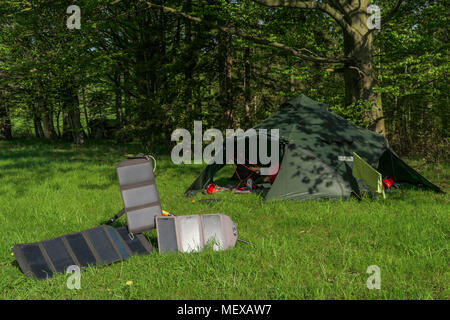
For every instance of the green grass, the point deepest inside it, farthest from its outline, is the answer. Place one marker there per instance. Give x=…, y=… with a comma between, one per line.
x=303, y=250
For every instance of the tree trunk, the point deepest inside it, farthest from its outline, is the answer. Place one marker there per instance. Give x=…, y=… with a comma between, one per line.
x=86, y=116
x=66, y=129
x=57, y=123
x=225, y=64
x=47, y=121
x=190, y=62
x=48, y=130
x=360, y=75
x=247, y=90
x=118, y=97
x=225, y=78
x=5, y=124
x=127, y=97
x=38, y=131
x=71, y=116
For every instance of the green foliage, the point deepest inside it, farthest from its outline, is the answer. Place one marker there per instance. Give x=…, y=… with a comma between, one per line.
x=412, y=55
x=355, y=112
x=154, y=71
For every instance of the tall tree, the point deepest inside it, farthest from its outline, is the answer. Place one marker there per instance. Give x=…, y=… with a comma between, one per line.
x=5, y=118
x=358, y=33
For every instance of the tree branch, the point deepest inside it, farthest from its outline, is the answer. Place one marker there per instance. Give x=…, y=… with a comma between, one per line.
x=391, y=14
x=310, y=5
x=213, y=26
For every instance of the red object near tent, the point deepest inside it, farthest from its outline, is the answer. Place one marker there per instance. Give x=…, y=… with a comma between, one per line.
x=211, y=189
x=387, y=183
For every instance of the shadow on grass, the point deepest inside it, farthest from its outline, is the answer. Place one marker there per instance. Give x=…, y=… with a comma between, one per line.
x=30, y=162
x=153, y=241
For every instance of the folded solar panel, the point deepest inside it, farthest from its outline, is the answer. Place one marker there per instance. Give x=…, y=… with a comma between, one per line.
x=97, y=246
x=139, y=194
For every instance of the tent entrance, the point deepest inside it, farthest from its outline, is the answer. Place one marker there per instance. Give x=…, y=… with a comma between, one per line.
x=255, y=174
x=247, y=175
x=242, y=173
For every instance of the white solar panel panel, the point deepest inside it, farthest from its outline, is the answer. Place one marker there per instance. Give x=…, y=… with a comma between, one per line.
x=212, y=231
x=189, y=232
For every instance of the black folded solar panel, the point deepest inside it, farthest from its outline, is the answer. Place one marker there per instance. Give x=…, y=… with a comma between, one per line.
x=97, y=246
x=80, y=249
x=60, y=257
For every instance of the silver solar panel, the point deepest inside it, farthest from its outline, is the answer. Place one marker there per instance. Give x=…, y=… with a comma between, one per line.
x=139, y=194
x=138, y=172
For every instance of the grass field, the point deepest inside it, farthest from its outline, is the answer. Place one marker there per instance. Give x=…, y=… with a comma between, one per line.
x=303, y=250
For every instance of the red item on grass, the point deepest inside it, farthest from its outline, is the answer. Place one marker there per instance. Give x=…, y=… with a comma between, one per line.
x=387, y=183
x=211, y=189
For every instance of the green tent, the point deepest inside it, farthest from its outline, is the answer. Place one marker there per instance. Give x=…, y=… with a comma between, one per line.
x=316, y=155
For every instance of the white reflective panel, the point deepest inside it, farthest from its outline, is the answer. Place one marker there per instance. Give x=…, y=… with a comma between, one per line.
x=212, y=231
x=189, y=230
